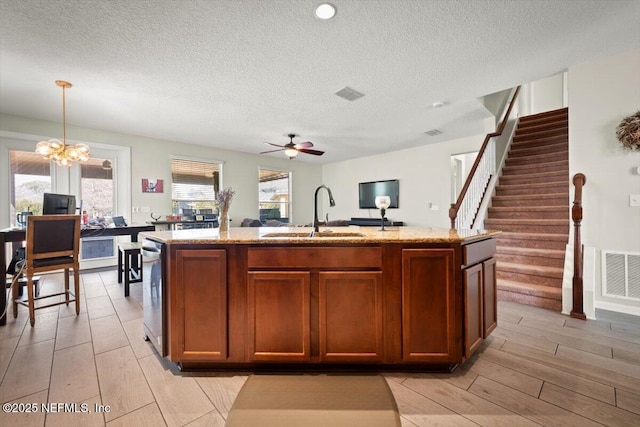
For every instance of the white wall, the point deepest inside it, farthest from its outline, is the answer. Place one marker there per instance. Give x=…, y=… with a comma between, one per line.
x=601, y=93
x=150, y=158
x=425, y=180
x=547, y=94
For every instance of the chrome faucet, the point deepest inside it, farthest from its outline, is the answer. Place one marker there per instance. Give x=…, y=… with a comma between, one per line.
x=332, y=203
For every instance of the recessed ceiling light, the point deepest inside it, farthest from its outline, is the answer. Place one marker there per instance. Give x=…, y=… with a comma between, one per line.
x=325, y=11
x=437, y=104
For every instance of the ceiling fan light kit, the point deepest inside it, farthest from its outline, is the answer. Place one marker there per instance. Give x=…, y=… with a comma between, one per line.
x=291, y=150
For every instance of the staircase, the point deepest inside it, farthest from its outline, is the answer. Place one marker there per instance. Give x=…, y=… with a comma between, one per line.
x=531, y=207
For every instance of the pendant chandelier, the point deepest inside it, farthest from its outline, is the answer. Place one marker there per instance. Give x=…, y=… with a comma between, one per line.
x=57, y=150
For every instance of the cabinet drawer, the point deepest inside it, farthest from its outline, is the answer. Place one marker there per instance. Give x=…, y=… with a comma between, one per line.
x=474, y=253
x=315, y=257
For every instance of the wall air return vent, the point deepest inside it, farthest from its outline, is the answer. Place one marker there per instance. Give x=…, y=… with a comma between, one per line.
x=349, y=94
x=434, y=132
x=621, y=275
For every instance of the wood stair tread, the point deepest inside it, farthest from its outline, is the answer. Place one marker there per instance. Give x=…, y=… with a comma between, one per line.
x=538, y=158
x=531, y=269
x=535, y=184
x=512, y=250
x=532, y=196
x=532, y=221
x=541, y=209
x=535, y=173
x=557, y=163
x=533, y=236
x=517, y=151
x=530, y=289
x=560, y=112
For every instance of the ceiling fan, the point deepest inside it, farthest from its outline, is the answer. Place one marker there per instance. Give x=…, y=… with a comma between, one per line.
x=292, y=150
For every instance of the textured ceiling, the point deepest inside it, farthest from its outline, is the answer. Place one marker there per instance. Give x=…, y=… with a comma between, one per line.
x=233, y=74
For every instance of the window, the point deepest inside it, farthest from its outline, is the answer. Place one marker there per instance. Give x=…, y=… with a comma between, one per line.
x=96, y=186
x=194, y=185
x=274, y=189
x=96, y=192
x=30, y=179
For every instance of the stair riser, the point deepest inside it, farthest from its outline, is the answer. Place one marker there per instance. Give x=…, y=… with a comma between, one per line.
x=541, y=134
x=529, y=278
x=531, y=260
x=532, y=244
x=532, y=190
x=538, y=159
x=526, y=228
x=541, y=200
x=527, y=169
x=546, y=214
x=559, y=114
x=539, y=142
x=557, y=122
x=550, y=304
x=534, y=151
x=534, y=178
x=545, y=167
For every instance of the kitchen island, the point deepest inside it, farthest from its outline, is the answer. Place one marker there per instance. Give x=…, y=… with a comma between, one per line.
x=346, y=298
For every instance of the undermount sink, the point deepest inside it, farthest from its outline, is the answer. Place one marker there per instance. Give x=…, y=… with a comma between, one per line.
x=317, y=234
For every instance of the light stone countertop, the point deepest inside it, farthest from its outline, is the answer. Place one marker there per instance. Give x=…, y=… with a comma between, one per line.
x=300, y=235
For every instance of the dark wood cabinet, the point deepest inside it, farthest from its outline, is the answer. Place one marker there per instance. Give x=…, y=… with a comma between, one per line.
x=473, y=304
x=490, y=295
x=480, y=293
x=429, y=322
x=278, y=322
x=351, y=316
x=199, y=311
x=386, y=304
x=306, y=310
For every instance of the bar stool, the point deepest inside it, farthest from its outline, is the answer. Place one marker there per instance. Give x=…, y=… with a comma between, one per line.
x=53, y=242
x=22, y=281
x=128, y=266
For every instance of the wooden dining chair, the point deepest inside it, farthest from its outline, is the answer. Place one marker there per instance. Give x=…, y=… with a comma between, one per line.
x=53, y=243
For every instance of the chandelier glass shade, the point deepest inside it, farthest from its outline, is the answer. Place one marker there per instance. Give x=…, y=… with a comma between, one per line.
x=59, y=151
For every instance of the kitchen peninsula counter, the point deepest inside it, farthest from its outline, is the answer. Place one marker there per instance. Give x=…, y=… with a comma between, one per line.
x=346, y=298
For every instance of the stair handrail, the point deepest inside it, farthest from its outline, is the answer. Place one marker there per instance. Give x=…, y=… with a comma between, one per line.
x=579, y=180
x=455, y=207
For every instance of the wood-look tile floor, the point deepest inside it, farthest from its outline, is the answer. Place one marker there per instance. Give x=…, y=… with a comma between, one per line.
x=537, y=368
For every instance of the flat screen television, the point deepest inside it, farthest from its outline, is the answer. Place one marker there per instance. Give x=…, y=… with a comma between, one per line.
x=369, y=190
x=58, y=204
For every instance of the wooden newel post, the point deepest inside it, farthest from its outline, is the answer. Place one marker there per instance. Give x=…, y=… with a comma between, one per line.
x=452, y=215
x=576, y=214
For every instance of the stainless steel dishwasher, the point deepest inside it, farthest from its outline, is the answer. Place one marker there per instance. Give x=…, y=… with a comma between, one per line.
x=154, y=295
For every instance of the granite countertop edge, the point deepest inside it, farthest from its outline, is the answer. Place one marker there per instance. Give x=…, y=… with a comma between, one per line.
x=344, y=235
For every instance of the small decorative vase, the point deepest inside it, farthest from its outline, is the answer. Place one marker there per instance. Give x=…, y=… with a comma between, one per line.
x=224, y=220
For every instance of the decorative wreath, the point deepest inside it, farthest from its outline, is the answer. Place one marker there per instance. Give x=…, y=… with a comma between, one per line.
x=628, y=132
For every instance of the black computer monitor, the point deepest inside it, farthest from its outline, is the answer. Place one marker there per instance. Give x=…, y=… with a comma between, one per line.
x=58, y=204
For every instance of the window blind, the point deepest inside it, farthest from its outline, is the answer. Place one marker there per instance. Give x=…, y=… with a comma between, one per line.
x=194, y=180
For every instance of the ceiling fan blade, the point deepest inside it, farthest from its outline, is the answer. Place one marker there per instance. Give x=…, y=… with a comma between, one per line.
x=314, y=152
x=272, y=151
x=275, y=145
x=307, y=144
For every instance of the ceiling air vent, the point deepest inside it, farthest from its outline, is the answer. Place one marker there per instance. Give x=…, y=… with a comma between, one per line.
x=349, y=94
x=433, y=132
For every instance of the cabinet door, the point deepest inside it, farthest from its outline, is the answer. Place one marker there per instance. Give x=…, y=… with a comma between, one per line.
x=351, y=323
x=473, y=301
x=490, y=296
x=278, y=325
x=200, y=331
x=428, y=306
